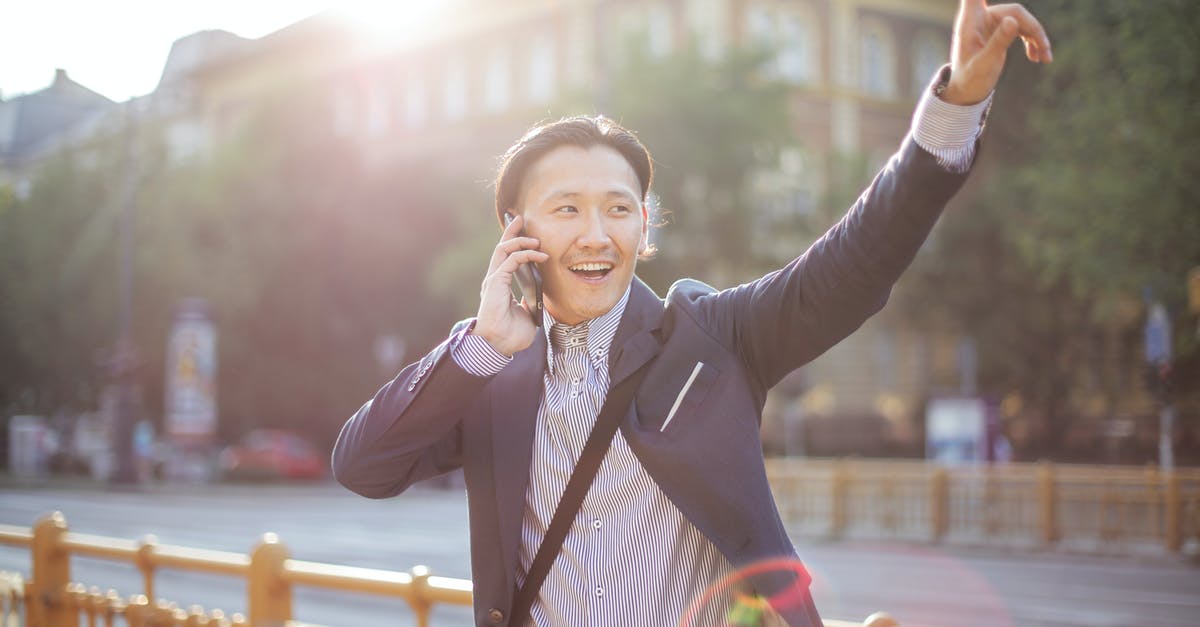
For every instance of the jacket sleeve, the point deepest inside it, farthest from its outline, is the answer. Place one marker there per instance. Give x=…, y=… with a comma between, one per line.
x=412, y=429
x=791, y=316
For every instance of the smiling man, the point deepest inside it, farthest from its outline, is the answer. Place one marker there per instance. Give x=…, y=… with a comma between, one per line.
x=611, y=452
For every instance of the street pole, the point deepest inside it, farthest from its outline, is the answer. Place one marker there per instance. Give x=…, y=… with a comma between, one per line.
x=124, y=362
x=1158, y=361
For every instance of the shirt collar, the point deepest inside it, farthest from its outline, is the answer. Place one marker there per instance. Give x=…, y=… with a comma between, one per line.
x=599, y=335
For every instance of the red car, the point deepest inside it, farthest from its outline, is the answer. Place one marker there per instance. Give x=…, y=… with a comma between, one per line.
x=272, y=454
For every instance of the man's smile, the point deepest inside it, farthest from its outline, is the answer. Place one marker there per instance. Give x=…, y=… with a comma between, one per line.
x=591, y=271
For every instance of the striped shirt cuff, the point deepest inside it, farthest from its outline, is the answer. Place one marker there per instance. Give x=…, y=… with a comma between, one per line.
x=475, y=355
x=949, y=131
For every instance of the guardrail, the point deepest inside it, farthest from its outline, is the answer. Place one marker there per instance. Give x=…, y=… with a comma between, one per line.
x=1084, y=508
x=51, y=599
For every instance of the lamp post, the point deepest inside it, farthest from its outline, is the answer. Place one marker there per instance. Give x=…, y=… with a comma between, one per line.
x=1158, y=362
x=124, y=363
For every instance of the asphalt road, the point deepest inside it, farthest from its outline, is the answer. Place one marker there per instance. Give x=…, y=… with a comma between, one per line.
x=918, y=584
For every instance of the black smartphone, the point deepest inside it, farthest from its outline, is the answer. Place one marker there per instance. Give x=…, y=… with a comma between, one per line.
x=528, y=283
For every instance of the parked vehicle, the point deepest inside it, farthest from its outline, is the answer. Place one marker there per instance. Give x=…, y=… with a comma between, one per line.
x=267, y=454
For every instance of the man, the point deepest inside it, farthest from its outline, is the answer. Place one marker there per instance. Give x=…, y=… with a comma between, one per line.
x=680, y=503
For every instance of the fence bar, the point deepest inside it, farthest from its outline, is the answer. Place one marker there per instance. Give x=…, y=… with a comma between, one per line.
x=99, y=546
x=12, y=535
x=1174, y=514
x=839, y=499
x=349, y=578
x=939, y=503
x=203, y=560
x=1048, y=501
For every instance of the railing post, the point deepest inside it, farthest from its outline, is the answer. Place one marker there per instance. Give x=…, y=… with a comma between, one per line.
x=270, y=596
x=1174, y=513
x=939, y=503
x=145, y=563
x=880, y=619
x=840, y=483
x=52, y=571
x=1048, y=502
x=420, y=603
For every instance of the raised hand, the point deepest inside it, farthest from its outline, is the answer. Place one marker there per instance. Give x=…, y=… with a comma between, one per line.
x=982, y=35
x=501, y=320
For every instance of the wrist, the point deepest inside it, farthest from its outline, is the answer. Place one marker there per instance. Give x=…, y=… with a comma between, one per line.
x=955, y=95
x=490, y=337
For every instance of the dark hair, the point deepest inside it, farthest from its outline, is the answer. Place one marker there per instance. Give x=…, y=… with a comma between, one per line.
x=583, y=131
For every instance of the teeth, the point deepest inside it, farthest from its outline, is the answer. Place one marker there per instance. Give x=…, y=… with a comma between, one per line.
x=585, y=267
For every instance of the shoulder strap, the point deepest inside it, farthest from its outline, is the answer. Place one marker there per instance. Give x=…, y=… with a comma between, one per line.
x=616, y=403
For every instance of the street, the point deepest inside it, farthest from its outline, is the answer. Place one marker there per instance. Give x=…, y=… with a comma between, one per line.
x=918, y=584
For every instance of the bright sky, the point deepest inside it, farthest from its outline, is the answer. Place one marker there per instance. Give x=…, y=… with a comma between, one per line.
x=118, y=47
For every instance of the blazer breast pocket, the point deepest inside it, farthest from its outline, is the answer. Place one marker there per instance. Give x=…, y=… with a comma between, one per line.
x=687, y=399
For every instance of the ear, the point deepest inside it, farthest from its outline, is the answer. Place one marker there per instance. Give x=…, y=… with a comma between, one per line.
x=644, y=243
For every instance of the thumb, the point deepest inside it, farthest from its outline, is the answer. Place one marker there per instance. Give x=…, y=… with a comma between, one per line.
x=1002, y=38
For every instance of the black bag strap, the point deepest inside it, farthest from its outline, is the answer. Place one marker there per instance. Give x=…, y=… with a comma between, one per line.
x=616, y=403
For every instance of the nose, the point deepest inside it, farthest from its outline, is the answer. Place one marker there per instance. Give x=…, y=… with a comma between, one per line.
x=595, y=231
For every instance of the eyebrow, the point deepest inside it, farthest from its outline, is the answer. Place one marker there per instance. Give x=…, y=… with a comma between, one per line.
x=615, y=193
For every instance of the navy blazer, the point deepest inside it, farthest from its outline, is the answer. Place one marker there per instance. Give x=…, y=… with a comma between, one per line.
x=435, y=417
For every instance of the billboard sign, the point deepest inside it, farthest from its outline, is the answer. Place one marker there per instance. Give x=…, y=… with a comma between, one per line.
x=191, y=377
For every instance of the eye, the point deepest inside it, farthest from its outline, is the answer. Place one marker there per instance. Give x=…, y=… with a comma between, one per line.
x=567, y=209
x=621, y=209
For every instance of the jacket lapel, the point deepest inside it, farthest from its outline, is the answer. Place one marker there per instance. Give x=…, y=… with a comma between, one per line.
x=517, y=393
x=637, y=337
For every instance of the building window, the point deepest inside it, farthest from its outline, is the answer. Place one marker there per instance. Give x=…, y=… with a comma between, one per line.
x=658, y=29
x=454, y=89
x=539, y=85
x=790, y=31
x=706, y=20
x=378, y=109
x=497, y=80
x=344, y=112
x=416, y=102
x=929, y=53
x=877, y=67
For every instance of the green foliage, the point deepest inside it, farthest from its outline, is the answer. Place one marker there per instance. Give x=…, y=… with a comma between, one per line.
x=1088, y=198
x=710, y=125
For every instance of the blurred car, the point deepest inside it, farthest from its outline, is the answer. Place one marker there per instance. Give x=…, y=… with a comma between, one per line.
x=268, y=454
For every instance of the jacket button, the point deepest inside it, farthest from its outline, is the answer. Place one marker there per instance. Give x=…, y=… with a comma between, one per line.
x=496, y=616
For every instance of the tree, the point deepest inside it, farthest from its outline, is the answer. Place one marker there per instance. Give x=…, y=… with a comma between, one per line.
x=1089, y=200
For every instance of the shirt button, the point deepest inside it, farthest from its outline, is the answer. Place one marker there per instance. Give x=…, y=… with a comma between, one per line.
x=574, y=394
x=575, y=380
x=599, y=591
x=597, y=523
x=496, y=616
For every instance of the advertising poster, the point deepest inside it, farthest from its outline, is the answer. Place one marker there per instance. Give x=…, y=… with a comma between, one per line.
x=191, y=377
x=956, y=430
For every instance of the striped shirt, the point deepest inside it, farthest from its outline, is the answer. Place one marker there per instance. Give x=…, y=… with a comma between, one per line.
x=626, y=523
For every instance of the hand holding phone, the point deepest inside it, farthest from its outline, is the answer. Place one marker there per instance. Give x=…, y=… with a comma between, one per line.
x=528, y=282
x=508, y=325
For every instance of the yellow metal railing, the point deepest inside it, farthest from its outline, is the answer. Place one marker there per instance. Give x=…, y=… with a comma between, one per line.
x=51, y=599
x=1038, y=503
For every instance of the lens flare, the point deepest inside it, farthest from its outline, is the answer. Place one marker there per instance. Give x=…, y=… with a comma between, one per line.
x=748, y=608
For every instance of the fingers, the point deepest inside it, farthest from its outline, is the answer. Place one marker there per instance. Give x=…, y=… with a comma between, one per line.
x=1002, y=37
x=510, y=240
x=1037, y=43
x=508, y=247
x=513, y=261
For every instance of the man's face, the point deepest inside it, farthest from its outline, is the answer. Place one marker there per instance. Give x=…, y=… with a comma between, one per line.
x=584, y=207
